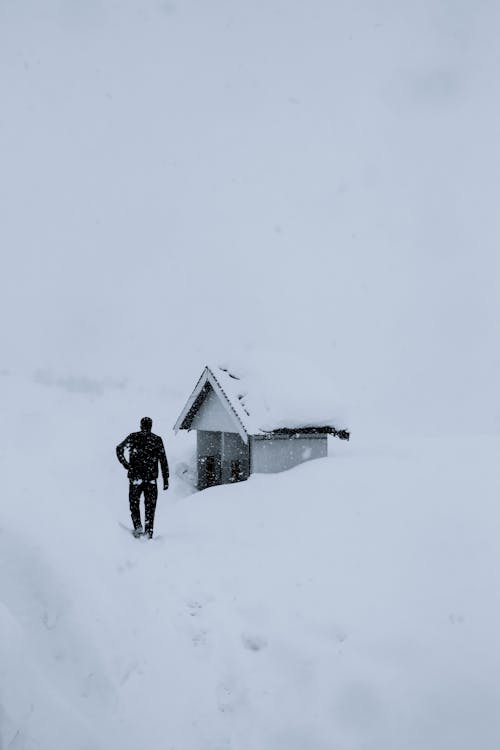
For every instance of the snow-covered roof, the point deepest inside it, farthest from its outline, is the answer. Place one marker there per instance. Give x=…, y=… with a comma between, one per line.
x=269, y=394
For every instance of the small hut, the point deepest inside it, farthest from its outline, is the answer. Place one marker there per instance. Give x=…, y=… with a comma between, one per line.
x=249, y=421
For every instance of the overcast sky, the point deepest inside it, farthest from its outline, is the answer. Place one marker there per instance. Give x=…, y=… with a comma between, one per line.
x=180, y=178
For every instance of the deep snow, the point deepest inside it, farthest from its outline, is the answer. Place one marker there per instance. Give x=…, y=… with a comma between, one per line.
x=181, y=177
x=270, y=390
x=351, y=602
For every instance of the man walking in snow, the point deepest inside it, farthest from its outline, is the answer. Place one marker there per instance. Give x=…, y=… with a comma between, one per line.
x=145, y=450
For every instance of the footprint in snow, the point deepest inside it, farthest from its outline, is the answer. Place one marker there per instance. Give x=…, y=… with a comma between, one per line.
x=199, y=635
x=229, y=695
x=253, y=642
x=132, y=668
x=194, y=608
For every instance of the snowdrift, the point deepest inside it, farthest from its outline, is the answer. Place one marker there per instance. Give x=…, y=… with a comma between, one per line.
x=351, y=602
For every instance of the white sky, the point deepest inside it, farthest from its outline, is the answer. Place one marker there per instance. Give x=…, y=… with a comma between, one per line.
x=178, y=178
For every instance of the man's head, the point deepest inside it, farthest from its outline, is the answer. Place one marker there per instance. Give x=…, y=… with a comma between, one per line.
x=146, y=424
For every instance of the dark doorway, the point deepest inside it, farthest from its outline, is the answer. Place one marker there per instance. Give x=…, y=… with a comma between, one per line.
x=237, y=474
x=212, y=471
x=209, y=458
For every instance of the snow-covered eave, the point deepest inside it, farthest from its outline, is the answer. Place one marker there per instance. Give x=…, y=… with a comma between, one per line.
x=342, y=434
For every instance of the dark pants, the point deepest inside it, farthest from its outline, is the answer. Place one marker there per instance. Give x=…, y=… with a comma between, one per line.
x=150, y=495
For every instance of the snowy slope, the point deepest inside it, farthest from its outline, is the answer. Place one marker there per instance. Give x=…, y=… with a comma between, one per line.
x=349, y=603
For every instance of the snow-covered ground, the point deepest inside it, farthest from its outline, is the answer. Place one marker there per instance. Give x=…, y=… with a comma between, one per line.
x=349, y=603
x=179, y=178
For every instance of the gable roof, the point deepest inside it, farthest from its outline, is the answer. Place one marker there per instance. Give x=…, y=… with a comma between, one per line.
x=276, y=395
x=207, y=380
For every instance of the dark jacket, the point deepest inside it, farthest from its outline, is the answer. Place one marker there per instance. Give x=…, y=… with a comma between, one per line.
x=145, y=450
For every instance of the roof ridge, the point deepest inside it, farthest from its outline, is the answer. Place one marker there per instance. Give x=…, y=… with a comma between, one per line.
x=228, y=400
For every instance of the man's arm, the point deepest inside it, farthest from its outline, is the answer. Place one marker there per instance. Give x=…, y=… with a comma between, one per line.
x=163, y=463
x=120, y=452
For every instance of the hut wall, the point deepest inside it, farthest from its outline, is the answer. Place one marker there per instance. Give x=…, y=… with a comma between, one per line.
x=235, y=458
x=222, y=457
x=279, y=453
